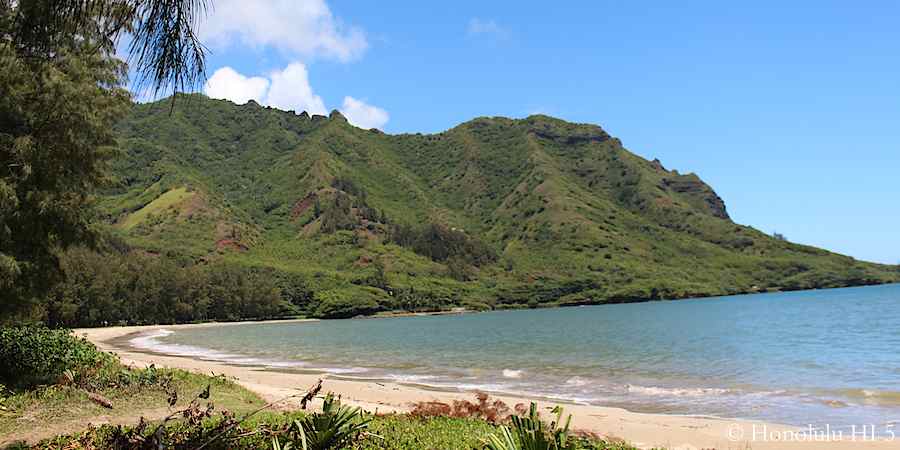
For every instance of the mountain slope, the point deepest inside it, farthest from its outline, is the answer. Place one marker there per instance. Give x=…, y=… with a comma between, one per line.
x=494, y=211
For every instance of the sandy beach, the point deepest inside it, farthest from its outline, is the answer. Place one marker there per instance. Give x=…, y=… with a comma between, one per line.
x=642, y=430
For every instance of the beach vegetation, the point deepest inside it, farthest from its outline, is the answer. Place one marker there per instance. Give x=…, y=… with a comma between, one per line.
x=336, y=426
x=35, y=355
x=493, y=411
x=530, y=432
x=117, y=393
x=268, y=430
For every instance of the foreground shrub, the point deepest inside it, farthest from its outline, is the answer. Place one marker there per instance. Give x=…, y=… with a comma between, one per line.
x=531, y=433
x=335, y=427
x=31, y=356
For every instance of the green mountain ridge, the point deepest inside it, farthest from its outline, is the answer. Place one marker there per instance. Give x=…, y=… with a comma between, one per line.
x=494, y=212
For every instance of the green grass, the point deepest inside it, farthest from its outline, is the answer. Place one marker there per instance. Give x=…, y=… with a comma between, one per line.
x=405, y=433
x=158, y=206
x=65, y=408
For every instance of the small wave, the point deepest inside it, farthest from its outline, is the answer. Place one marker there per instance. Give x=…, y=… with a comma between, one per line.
x=870, y=396
x=834, y=403
x=284, y=364
x=410, y=378
x=674, y=392
x=561, y=396
x=509, y=373
x=577, y=381
x=340, y=370
x=150, y=341
x=487, y=387
x=500, y=388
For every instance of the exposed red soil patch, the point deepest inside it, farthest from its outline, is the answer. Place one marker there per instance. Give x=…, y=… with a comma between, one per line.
x=223, y=244
x=305, y=203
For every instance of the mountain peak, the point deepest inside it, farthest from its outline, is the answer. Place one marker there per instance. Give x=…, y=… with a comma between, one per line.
x=336, y=115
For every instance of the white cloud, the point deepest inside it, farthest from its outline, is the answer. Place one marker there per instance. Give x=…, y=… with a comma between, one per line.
x=362, y=114
x=295, y=27
x=479, y=27
x=226, y=83
x=291, y=90
x=288, y=89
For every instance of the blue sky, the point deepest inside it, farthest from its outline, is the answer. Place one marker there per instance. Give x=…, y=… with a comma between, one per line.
x=790, y=111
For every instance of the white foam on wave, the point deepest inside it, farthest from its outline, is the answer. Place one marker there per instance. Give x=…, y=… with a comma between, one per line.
x=566, y=397
x=674, y=392
x=577, y=381
x=407, y=378
x=339, y=370
x=489, y=387
x=148, y=339
x=510, y=373
x=151, y=341
x=476, y=384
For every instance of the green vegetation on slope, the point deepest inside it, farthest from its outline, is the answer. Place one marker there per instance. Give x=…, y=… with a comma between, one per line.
x=157, y=207
x=493, y=213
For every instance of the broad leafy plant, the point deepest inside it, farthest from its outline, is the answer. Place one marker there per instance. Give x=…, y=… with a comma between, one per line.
x=531, y=433
x=335, y=427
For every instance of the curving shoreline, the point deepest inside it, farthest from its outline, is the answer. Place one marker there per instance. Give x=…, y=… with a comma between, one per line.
x=642, y=430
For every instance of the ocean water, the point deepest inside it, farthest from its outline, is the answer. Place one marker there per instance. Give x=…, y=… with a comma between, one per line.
x=814, y=357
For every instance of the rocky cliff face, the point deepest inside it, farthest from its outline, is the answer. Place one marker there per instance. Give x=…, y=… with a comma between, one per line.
x=692, y=186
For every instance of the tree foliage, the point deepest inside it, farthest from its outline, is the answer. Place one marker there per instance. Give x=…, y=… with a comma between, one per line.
x=62, y=95
x=339, y=215
x=139, y=288
x=56, y=136
x=164, y=49
x=442, y=243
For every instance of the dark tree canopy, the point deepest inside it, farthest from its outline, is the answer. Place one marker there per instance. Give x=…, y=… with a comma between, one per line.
x=163, y=50
x=62, y=93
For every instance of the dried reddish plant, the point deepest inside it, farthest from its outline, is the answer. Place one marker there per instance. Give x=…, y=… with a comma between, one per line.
x=430, y=409
x=521, y=409
x=484, y=408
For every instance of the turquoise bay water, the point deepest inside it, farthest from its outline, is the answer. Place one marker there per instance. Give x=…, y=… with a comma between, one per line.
x=814, y=357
